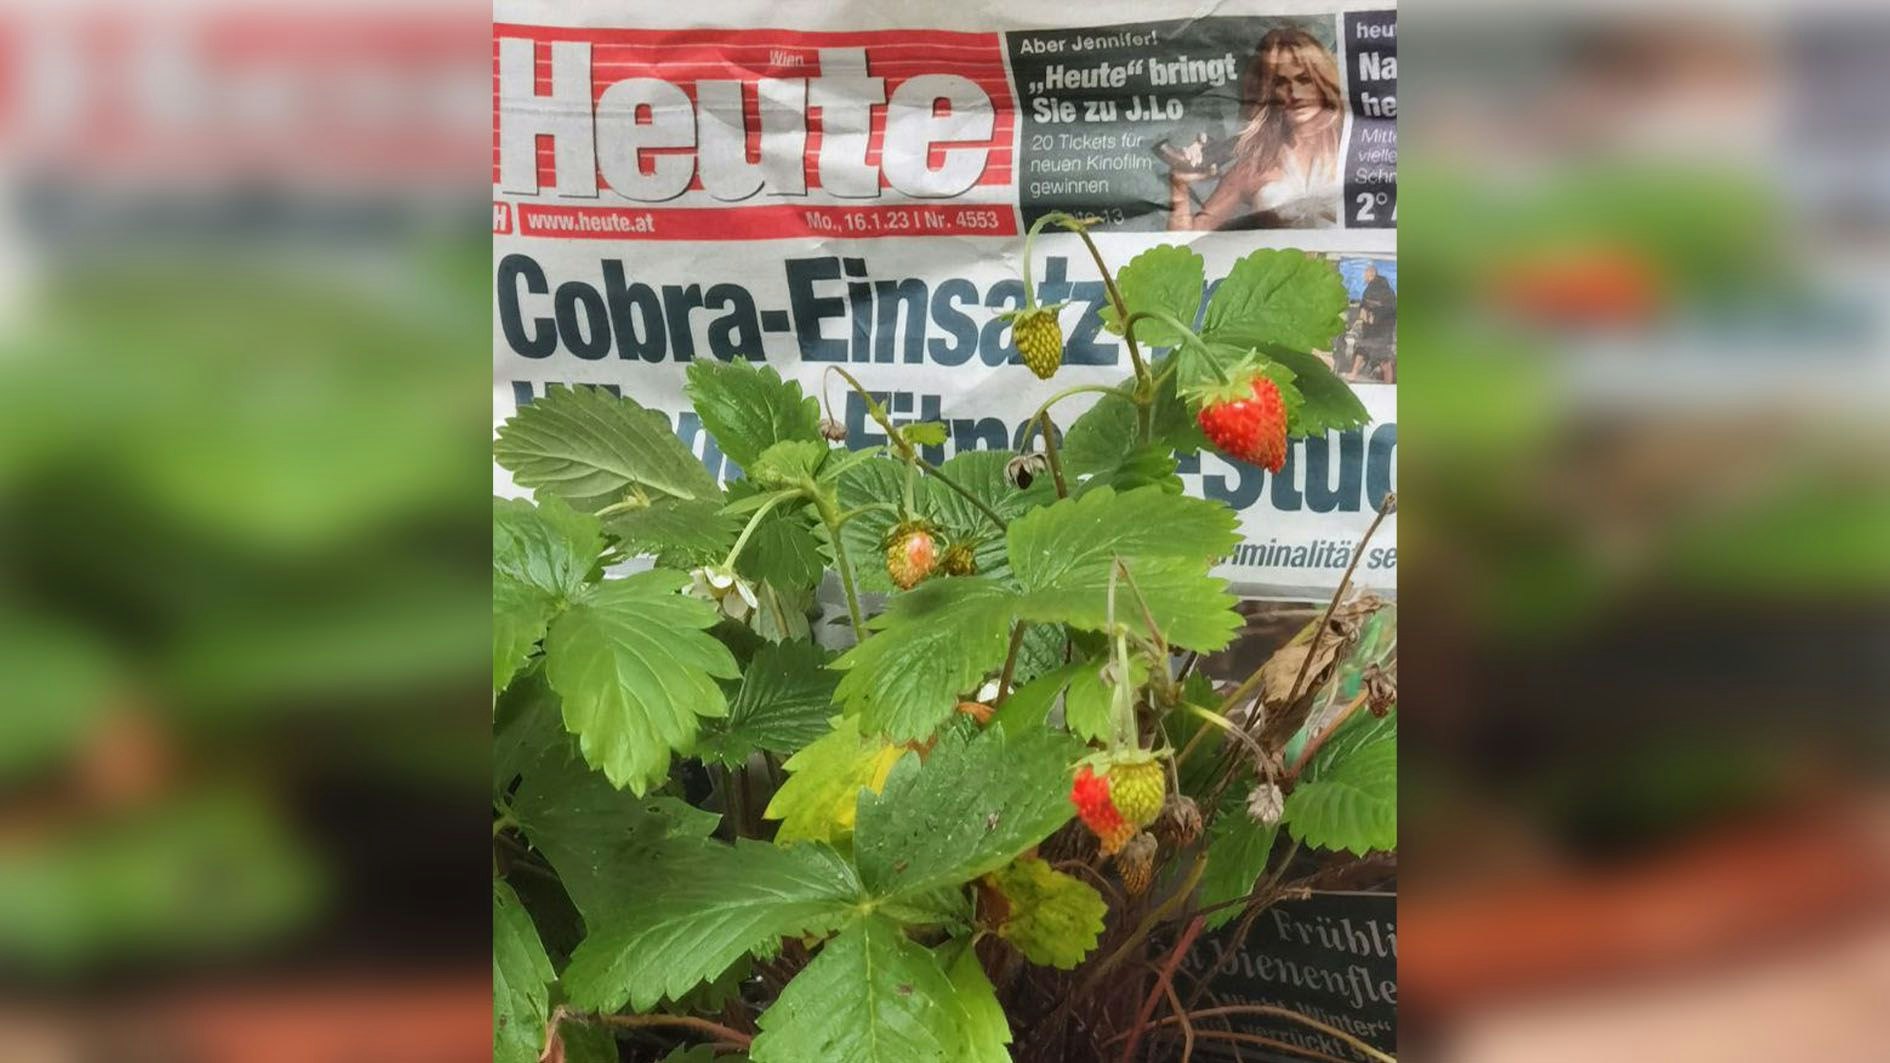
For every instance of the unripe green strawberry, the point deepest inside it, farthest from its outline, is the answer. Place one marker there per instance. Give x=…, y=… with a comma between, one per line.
x=911, y=553
x=959, y=559
x=1137, y=786
x=1039, y=339
x=1248, y=422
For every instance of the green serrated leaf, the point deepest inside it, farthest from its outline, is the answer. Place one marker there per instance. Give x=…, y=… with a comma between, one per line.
x=541, y=556
x=1237, y=851
x=1063, y=554
x=986, y=1028
x=819, y=801
x=636, y=671
x=785, y=550
x=1051, y=544
x=679, y=533
x=864, y=535
x=781, y=615
x=787, y=463
x=585, y=1043
x=982, y=473
x=749, y=408
x=1348, y=798
x=1283, y=297
x=839, y=460
x=782, y=705
x=1326, y=403
x=871, y=996
x=1029, y=705
x=1167, y=278
x=1194, y=610
x=1041, y=652
x=924, y=433
x=1105, y=435
x=520, y=615
x=591, y=448
x=1088, y=704
x=969, y=809
x=932, y=644
x=1054, y=918
x=521, y=979
x=1139, y=467
x=548, y=547
x=698, y=907
x=598, y=838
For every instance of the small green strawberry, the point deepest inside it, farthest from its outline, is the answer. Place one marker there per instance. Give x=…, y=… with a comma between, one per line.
x=1039, y=338
x=959, y=559
x=1138, y=787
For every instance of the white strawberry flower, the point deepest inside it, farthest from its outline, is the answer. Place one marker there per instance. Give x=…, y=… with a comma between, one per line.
x=732, y=594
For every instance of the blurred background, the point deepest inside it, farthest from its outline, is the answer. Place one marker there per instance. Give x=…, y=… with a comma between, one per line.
x=1645, y=505
x=243, y=532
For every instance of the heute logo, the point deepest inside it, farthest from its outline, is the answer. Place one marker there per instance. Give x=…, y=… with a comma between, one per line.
x=787, y=120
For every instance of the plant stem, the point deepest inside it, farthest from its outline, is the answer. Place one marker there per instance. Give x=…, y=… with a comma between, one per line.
x=874, y=411
x=1115, y=297
x=1079, y=389
x=1148, y=924
x=639, y=1022
x=1326, y=732
x=1050, y=453
x=624, y=506
x=938, y=474
x=1224, y=724
x=753, y=523
x=1258, y=1041
x=840, y=563
x=1287, y=1013
x=1010, y=665
x=1030, y=237
x=1162, y=981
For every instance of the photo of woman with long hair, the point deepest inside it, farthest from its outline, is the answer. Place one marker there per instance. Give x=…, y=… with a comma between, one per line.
x=1283, y=170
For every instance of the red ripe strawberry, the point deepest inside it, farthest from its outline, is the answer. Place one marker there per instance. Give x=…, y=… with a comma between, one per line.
x=1250, y=427
x=911, y=553
x=1090, y=794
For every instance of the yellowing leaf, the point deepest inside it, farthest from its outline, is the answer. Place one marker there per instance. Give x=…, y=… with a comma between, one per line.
x=1055, y=918
x=819, y=801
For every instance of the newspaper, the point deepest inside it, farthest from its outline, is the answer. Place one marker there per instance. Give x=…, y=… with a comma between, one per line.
x=847, y=184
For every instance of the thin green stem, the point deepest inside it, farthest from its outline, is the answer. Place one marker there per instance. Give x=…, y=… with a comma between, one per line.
x=874, y=411
x=1050, y=453
x=841, y=564
x=753, y=523
x=624, y=506
x=939, y=475
x=867, y=508
x=1115, y=294
x=1010, y=665
x=1030, y=237
x=1079, y=389
x=1224, y=724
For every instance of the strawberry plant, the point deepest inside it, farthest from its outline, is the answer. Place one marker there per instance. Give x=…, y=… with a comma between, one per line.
x=991, y=824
